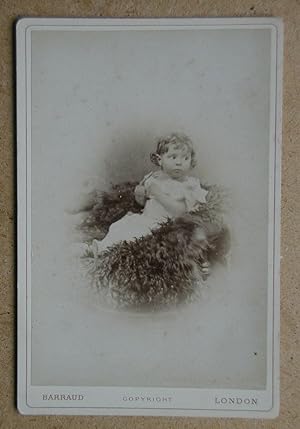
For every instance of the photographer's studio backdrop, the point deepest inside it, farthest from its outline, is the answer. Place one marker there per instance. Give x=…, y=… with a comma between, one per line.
x=100, y=99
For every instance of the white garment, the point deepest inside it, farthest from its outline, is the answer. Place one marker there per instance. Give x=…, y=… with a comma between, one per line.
x=133, y=226
x=188, y=190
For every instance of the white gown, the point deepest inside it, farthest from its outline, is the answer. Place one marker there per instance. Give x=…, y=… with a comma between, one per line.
x=135, y=225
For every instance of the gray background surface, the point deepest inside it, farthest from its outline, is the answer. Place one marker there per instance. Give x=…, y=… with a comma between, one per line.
x=100, y=99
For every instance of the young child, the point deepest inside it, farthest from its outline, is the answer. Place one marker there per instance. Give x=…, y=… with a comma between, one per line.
x=165, y=194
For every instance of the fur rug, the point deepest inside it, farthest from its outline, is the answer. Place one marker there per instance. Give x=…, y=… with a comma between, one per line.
x=163, y=268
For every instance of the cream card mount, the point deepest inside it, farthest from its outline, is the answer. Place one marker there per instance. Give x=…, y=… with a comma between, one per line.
x=148, y=158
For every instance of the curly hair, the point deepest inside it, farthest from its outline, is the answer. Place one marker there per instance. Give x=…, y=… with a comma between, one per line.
x=179, y=141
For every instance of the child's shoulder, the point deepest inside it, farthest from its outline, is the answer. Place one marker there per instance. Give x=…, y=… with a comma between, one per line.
x=155, y=175
x=193, y=181
x=150, y=176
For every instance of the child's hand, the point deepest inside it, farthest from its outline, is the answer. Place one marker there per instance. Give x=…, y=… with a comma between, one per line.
x=140, y=194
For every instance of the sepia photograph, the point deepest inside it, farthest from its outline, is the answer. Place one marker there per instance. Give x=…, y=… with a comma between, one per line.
x=148, y=216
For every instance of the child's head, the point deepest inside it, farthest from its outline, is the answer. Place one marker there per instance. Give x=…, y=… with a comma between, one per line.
x=174, y=154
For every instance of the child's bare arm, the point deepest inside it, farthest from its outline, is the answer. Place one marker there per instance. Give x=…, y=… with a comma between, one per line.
x=140, y=195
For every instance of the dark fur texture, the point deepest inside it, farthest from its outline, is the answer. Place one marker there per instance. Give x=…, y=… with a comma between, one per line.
x=162, y=268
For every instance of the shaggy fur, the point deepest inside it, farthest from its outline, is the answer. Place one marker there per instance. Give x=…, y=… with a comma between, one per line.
x=162, y=268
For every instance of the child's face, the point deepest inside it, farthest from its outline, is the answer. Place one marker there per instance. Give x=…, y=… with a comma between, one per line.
x=176, y=162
